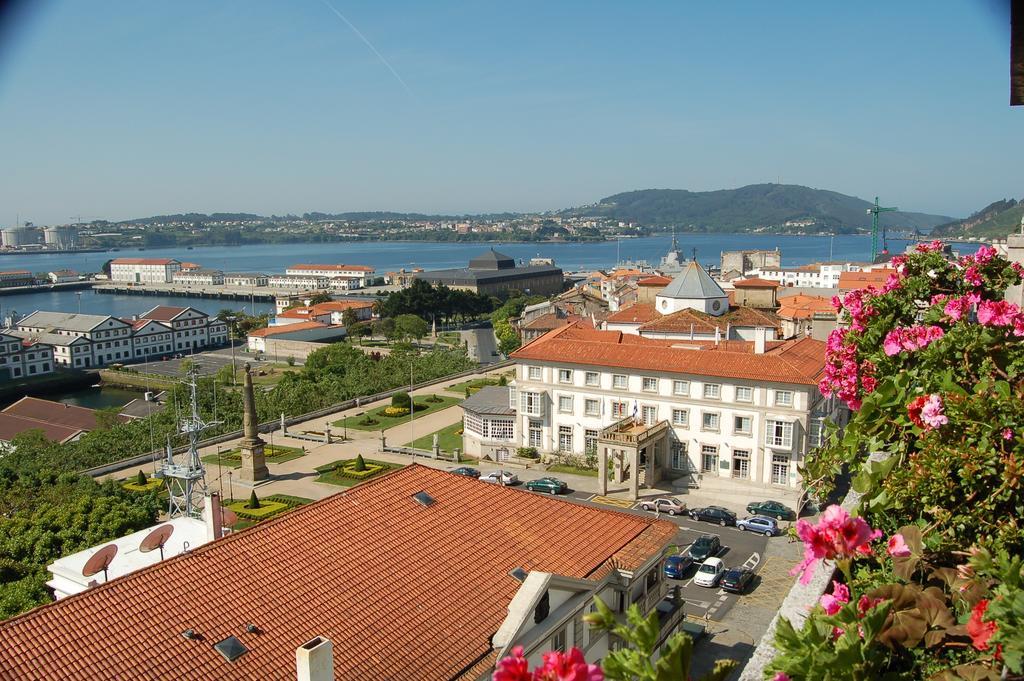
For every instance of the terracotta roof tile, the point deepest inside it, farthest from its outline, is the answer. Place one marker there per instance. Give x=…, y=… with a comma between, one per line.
x=335, y=268
x=755, y=282
x=637, y=313
x=12, y=425
x=286, y=328
x=803, y=306
x=656, y=280
x=163, y=313
x=681, y=321
x=798, y=361
x=67, y=415
x=858, y=280
x=402, y=590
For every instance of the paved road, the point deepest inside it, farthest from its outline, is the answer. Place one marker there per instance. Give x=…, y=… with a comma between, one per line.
x=482, y=346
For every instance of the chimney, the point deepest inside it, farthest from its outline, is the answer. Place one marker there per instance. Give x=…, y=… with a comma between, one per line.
x=718, y=335
x=214, y=517
x=760, y=340
x=314, y=660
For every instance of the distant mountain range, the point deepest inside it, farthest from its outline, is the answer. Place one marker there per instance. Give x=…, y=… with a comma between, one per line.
x=756, y=206
x=994, y=220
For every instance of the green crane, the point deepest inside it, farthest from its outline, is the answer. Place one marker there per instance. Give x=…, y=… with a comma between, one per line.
x=874, y=211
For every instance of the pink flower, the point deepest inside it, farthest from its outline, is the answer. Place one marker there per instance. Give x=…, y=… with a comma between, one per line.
x=836, y=536
x=866, y=603
x=571, y=666
x=834, y=602
x=973, y=277
x=956, y=308
x=914, y=410
x=997, y=313
x=1007, y=433
x=931, y=247
x=898, y=546
x=910, y=338
x=781, y=676
x=932, y=413
x=515, y=667
x=984, y=255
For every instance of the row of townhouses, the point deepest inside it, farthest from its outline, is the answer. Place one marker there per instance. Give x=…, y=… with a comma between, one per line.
x=84, y=340
x=20, y=357
x=167, y=270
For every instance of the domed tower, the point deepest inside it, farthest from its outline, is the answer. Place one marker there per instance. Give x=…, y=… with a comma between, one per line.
x=692, y=289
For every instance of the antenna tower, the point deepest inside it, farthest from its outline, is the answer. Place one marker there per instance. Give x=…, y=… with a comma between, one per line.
x=874, y=211
x=184, y=473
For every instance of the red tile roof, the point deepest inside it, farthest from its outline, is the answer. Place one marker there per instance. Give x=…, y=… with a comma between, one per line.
x=755, y=282
x=552, y=321
x=656, y=280
x=336, y=268
x=798, y=361
x=286, y=328
x=142, y=261
x=402, y=590
x=11, y=425
x=683, y=320
x=858, y=280
x=637, y=313
x=803, y=306
x=163, y=313
x=48, y=411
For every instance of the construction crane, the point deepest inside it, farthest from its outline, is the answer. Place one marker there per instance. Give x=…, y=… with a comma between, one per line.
x=874, y=211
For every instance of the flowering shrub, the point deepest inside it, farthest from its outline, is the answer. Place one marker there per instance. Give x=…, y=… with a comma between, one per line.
x=930, y=365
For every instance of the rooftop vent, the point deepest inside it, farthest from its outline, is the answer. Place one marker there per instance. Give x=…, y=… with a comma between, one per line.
x=191, y=635
x=423, y=499
x=520, y=574
x=231, y=648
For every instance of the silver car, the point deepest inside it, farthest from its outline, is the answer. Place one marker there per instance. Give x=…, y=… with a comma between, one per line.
x=500, y=477
x=664, y=505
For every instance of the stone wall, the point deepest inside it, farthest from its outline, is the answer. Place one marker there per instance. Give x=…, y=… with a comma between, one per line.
x=281, y=350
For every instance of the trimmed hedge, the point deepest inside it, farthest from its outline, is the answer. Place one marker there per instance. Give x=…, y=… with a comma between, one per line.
x=267, y=508
x=349, y=471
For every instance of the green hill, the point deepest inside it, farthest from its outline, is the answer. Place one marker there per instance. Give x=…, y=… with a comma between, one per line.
x=994, y=220
x=757, y=206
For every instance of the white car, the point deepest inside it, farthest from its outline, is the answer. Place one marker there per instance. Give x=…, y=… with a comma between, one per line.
x=709, y=573
x=499, y=477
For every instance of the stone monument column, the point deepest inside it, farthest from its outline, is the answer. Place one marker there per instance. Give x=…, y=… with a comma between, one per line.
x=254, y=463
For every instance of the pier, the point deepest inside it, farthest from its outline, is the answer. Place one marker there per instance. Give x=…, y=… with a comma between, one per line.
x=44, y=288
x=254, y=294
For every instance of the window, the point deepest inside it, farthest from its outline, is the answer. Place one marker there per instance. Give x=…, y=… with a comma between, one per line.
x=565, y=404
x=650, y=415
x=650, y=385
x=709, y=458
x=779, y=434
x=533, y=373
x=558, y=641
x=680, y=387
x=565, y=438
x=531, y=403
x=712, y=391
x=565, y=375
x=592, y=407
x=618, y=410
x=744, y=394
x=742, y=424
x=815, y=431
x=500, y=429
x=783, y=398
x=619, y=381
x=680, y=417
x=679, y=462
x=513, y=398
x=591, y=378
x=535, y=434
x=577, y=630
x=780, y=469
x=590, y=440
x=741, y=463
x=709, y=421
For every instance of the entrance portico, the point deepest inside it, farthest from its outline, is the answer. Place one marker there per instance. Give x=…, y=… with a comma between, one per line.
x=630, y=445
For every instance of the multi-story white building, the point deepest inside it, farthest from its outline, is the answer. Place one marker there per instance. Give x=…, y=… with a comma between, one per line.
x=299, y=282
x=192, y=328
x=742, y=410
x=199, y=278
x=248, y=279
x=79, y=340
x=817, y=275
x=151, y=338
x=347, y=276
x=144, y=270
x=20, y=358
x=17, y=278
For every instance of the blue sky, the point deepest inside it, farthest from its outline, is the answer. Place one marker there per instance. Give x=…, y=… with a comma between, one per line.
x=121, y=109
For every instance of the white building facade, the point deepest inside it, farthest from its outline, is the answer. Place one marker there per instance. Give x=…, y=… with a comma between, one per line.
x=824, y=275
x=199, y=278
x=144, y=270
x=18, y=360
x=299, y=282
x=348, y=276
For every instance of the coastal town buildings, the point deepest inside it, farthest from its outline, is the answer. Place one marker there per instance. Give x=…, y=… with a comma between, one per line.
x=343, y=277
x=16, y=278
x=737, y=264
x=299, y=331
x=20, y=358
x=331, y=313
x=144, y=270
x=192, y=329
x=493, y=273
x=62, y=276
x=228, y=609
x=815, y=275
x=247, y=279
x=299, y=282
x=199, y=277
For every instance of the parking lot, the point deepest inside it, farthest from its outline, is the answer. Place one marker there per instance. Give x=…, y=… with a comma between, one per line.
x=205, y=362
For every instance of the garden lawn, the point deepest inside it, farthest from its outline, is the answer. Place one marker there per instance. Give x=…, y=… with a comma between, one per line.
x=274, y=372
x=449, y=438
x=274, y=454
x=384, y=422
x=574, y=470
x=151, y=484
x=473, y=385
x=334, y=473
x=267, y=509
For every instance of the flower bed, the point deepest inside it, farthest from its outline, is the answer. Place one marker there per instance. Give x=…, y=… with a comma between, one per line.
x=930, y=366
x=272, y=454
x=388, y=416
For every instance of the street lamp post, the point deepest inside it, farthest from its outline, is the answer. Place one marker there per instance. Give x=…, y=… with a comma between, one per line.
x=230, y=319
x=412, y=408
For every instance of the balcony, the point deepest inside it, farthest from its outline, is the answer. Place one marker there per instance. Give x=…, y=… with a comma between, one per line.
x=629, y=432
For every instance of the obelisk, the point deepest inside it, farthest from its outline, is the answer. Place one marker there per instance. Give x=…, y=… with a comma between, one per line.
x=254, y=464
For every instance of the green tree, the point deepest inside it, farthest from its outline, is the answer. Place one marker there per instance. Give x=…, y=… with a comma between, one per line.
x=360, y=464
x=140, y=479
x=320, y=297
x=349, y=319
x=254, y=501
x=359, y=330
x=411, y=326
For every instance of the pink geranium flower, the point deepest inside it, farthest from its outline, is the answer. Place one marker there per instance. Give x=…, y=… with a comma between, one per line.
x=997, y=313
x=932, y=413
x=834, y=602
x=781, y=676
x=515, y=667
x=837, y=536
x=898, y=546
x=557, y=666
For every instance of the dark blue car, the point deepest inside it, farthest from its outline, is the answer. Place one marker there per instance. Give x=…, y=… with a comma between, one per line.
x=676, y=566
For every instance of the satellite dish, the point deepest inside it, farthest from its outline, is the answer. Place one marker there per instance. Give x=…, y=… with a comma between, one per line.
x=156, y=539
x=100, y=560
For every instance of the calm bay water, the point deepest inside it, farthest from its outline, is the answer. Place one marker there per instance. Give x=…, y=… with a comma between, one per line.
x=388, y=256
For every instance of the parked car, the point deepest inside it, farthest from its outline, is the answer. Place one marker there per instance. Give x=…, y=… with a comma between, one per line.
x=709, y=572
x=772, y=509
x=714, y=514
x=467, y=471
x=500, y=477
x=706, y=546
x=736, y=580
x=676, y=566
x=547, y=484
x=761, y=524
x=664, y=505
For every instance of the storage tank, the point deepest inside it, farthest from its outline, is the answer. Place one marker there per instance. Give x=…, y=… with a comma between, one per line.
x=15, y=237
x=63, y=237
